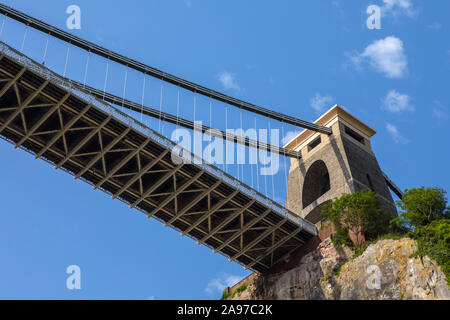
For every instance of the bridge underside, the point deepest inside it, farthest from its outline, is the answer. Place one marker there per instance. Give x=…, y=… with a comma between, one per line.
x=111, y=151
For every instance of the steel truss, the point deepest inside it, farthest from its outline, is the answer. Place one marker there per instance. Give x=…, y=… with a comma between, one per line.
x=95, y=142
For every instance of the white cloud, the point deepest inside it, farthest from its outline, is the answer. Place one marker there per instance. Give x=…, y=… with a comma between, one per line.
x=386, y=56
x=398, y=7
x=395, y=134
x=320, y=102
x=396, y=102
x=439, y=111
x=219, y=284
x=289, y=136
x=228, y=81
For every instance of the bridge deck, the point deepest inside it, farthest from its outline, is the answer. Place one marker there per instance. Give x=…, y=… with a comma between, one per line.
x=95, y=142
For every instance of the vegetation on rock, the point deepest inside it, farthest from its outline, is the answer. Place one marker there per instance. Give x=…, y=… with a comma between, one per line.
x=230, y=295
x=357, y=214
x=424, y=216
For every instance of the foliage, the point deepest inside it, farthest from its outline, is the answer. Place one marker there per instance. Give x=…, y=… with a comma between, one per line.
x=226, y=295
x=357, y=213
x=420, y=207
x=426, y=218
x=433, y=240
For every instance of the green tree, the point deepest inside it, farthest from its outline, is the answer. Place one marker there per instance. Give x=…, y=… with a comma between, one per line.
x=420, y=207
x=426, y=217
x=434, y=241
x=357, y=214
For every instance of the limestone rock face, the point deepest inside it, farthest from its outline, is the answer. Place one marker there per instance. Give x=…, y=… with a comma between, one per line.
x=385, y=270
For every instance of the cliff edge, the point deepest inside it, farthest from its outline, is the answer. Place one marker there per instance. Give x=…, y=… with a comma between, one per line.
x=385, y=270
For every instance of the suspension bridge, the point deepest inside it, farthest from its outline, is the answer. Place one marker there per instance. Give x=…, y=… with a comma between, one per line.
x=95, y=136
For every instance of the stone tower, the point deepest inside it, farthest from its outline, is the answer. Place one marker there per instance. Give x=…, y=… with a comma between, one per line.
x=332, y=165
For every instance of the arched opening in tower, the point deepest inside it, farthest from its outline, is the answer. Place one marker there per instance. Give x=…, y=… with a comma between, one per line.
x=316, y=184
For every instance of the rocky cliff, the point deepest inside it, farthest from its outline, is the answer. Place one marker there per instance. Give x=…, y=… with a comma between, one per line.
x=386, y=270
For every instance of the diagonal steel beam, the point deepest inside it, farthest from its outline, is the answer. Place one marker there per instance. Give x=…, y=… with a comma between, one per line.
x=156, y=185
x=63, y=131
x=276, y=246
x=258, y=239
x=192, y=203
x=216, y=207
x=226, y=221
x=83, y=142
x=176, y=193
x=12, y=82
x=103, y=152
x=123, y=162
x=243, y=230
x=24, y=104
x=42, y=120
x=140, y=174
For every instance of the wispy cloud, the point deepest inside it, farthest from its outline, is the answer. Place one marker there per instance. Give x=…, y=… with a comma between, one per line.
x=395, y=134
x=396, y=102
x=228, y=81
x=398, y=7
x=439, y=110
x=218, y=284
x=435, y=26
x=289, y=136
x=320, y=102
x=386, y=56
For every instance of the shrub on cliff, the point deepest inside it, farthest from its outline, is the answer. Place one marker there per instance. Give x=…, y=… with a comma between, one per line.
x=433, y=240
x=358, y=215
x=426, y=217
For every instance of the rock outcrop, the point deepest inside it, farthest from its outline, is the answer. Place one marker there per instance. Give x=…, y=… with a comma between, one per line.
x=386, y=270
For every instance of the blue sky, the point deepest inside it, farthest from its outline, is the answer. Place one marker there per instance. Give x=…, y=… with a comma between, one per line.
x=299, y=58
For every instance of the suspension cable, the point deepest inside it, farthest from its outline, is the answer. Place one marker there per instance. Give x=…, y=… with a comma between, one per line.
x=3, y=26
x=124, y=88
x=86, y=69
x=24, y=39
x=143, y=97
x=45, y=50
x=106, y=79
x=67, y=59
x=257, y=161
x=167, y=117
x=141, y=67
x=160, y=106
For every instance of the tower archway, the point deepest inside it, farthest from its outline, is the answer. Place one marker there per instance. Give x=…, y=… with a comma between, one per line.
x=316, y=183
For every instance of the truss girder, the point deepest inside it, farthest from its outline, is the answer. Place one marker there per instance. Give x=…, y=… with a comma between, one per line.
x=96, y=143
